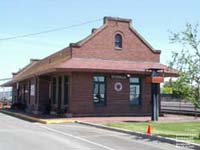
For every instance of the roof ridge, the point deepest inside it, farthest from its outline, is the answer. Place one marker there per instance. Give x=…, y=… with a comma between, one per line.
x=106, y=18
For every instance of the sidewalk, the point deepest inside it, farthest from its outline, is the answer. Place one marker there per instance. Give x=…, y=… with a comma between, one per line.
x=165, y=118
x=49, y=119
x=45, y=119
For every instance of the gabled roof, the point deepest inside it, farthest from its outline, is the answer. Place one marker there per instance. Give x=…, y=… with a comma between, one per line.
x=85, y=40
x=21, y=71
x=43, y=66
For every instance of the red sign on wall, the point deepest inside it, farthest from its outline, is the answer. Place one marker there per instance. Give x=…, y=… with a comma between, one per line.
x=156, y=79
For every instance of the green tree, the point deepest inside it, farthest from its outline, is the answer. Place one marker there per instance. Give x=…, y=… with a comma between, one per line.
x=166, y=90
x=178, y=88
x=188, y=62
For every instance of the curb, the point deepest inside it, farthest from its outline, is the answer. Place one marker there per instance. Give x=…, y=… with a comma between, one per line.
x=57, y=121
x=143, y=135
x=34, y=119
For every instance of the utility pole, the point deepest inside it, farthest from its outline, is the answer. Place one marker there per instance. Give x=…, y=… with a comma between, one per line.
x=156, y=77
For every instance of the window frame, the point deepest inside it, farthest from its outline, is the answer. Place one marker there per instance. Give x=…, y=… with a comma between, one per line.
x=104, y=103
x=140, y=90
x=120, y=42
x=32, y=89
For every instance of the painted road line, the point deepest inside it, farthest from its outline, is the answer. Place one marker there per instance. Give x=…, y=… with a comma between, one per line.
x=77, y=137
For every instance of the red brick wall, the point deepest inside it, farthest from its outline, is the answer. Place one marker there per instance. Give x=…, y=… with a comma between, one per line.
x=102, y=45
x=81, y=100
x=80, y=93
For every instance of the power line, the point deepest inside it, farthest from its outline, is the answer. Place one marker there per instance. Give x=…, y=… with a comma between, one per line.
x=48, y=31
x=5, y=79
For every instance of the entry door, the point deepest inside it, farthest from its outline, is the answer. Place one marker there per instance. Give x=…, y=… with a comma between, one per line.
x=59, y=92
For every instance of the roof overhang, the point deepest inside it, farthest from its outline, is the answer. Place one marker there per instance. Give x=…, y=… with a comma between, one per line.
x=113, y=66
x=7, y=84
x=101, y=66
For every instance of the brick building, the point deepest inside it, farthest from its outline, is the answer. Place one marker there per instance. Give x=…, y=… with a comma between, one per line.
x=103, y=74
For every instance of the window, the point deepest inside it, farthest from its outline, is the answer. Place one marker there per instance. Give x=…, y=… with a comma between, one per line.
x=135, y=91
x=32, y=90
x=118, y=41
x=99, y=90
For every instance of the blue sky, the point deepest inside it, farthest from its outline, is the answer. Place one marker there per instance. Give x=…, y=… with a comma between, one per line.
x=152, y=19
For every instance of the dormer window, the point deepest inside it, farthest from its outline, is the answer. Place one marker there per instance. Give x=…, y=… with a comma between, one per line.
x=118, y=41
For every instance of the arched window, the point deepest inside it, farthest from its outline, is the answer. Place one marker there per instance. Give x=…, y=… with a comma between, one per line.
x=118, y=41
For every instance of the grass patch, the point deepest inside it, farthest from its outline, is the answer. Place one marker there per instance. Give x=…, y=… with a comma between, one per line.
x=188, y=131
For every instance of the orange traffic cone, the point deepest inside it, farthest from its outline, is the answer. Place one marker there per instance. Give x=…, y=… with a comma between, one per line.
x=149, y=129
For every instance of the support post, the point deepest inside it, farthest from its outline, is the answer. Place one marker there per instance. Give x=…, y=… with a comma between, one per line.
x=155, y=102
x=155, y=81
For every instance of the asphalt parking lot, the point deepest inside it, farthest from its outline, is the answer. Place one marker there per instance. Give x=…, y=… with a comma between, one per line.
x=22, y=135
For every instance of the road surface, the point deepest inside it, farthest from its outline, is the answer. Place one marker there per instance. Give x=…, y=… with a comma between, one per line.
x=17, y=134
